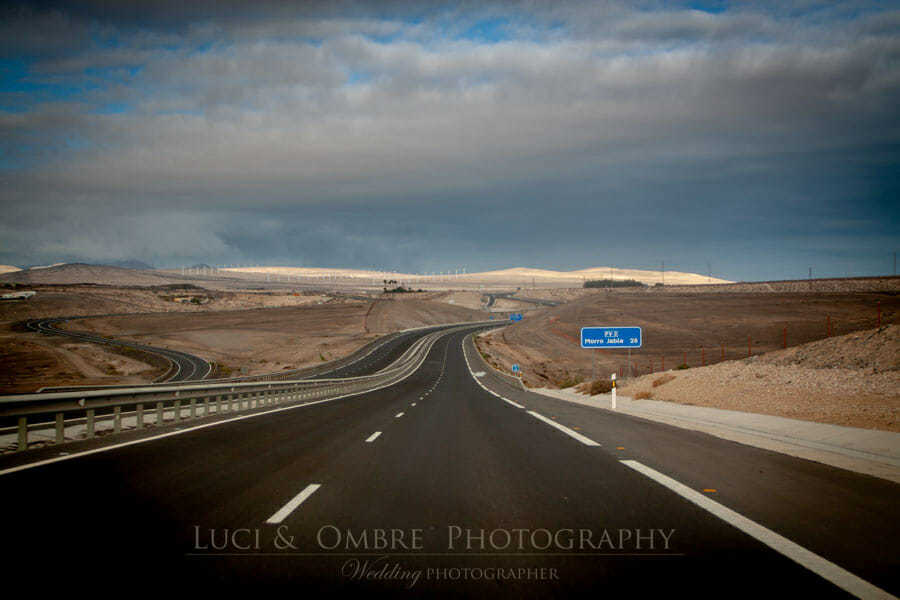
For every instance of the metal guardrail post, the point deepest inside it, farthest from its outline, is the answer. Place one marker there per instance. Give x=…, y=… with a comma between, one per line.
x=60, y=428
x=177, y=413
x=193, y=408
x=90, y=423
x=159, y=413
x=23, y=434
x=117, y=419
x=139, y=411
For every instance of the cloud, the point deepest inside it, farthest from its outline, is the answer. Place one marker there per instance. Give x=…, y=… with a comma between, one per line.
x=286, y=110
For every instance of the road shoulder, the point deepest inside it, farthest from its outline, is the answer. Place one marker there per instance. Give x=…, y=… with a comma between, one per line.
x=866, y=451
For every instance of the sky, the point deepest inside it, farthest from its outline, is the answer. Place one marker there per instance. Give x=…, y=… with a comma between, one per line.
x=752, y=140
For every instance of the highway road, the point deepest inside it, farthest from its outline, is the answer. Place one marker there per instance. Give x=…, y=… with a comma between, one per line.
x=188, y=367
x=184, y=366
x=438, y=486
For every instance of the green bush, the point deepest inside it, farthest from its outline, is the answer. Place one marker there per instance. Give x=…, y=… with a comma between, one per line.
x=600, y=386
x=613, y=283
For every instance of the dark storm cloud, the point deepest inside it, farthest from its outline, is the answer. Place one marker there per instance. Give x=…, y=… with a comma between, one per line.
x=413, y=135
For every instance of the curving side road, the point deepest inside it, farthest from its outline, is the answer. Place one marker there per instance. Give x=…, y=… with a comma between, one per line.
x=512, y=296
x=184, y=366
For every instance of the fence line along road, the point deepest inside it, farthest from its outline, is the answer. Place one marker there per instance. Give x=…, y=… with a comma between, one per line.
x=53, y=411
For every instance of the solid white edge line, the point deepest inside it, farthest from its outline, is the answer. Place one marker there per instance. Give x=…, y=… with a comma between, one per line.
x=584, y=440
x=517, y=405
x=56, y=459
x=373, y=437
x=842, y=578
x=296, y=501
x=478, y=381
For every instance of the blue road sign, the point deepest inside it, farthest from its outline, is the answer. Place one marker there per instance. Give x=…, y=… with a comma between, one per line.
x=515, y=368
x=611, y=337
x=515, y=317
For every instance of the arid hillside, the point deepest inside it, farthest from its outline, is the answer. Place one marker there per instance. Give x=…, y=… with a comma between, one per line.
x=81, y=273
x=851, y=380
x=678, y=328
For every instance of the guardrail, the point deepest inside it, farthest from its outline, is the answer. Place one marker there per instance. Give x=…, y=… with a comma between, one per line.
x=53, y=411
x=301, y=372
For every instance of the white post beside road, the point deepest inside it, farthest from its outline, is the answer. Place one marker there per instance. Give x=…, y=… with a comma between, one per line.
x=613, y=377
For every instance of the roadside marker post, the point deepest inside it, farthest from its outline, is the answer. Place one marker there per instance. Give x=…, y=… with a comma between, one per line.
x=613, y=377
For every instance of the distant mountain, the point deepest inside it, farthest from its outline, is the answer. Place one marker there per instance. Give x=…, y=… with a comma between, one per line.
x=74, y=273
x=129, y=264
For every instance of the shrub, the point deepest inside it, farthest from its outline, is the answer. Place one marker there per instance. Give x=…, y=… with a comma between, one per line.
x=568, y=381
x=643, y=395
x=662, y=380
x=612, y=283
x=600, y=386
x=682, y=367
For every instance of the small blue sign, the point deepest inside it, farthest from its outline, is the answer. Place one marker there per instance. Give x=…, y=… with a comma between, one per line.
x=611, y=337
x=515, y=368
x=515, y=317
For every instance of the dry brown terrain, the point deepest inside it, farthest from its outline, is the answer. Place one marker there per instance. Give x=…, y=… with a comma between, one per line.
x=29, y=361
x=557, y=294
x=78, y=300
x=848, y=284
x=677, y=328
x=306, y=329
x=471, y=300
x=851, y=380
x=82, y=273
x=263, y=341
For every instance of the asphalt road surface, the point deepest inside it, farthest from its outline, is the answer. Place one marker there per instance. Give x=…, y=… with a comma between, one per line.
x=185, y=367
x=437, y=487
